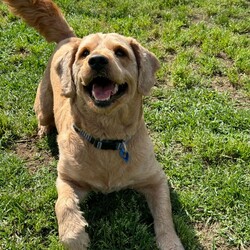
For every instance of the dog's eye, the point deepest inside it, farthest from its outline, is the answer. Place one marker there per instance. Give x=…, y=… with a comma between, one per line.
x=120, y=52
x=85, y=53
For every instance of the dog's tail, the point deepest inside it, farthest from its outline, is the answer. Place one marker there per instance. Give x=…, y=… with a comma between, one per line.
x=44, y=16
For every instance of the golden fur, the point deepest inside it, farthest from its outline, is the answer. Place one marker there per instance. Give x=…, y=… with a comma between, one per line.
x=63, y=99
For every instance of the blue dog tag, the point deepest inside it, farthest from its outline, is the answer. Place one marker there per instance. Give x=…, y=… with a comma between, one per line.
x=123, y=152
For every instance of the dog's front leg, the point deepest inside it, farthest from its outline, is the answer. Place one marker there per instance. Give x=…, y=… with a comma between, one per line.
x=71, y=223
x=158, y=198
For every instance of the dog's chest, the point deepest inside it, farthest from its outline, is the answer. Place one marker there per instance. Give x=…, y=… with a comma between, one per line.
x=102, y=170
x=109, y=182
x=110, y=173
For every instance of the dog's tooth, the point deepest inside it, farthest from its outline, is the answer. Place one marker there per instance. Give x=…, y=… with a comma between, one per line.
x=115, y=90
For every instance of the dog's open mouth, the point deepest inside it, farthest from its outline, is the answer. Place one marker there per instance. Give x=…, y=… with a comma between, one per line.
x=104, y=91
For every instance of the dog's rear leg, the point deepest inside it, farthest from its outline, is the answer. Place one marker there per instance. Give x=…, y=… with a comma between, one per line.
x=71, y=223
x=44, y=105
x=158, y=198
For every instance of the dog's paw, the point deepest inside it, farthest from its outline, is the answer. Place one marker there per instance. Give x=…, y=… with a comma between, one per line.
x=166, y=242
x=75, y=238
x=43, y=131
x=79, y=242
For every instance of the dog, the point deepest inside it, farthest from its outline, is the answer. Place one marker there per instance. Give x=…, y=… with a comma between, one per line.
x=92, y=92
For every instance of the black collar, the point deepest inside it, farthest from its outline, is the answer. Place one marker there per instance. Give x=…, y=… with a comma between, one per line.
x=105, y=144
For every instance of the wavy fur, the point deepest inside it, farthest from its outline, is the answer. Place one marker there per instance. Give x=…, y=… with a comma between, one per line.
x=44, y=16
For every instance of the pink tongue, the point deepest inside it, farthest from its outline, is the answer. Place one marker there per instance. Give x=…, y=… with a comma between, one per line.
x=102, y=92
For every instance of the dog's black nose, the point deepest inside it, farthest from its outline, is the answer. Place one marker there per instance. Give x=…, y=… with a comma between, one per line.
x=98, y=62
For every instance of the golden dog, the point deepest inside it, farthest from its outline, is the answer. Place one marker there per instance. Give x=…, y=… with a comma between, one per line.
x=92, y=93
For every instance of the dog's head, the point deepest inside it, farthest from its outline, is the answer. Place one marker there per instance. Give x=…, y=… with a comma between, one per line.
x=107, y=70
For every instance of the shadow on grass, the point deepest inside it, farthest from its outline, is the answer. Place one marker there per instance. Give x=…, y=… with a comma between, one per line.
x=122, y=220
x=52, y=143
x=119, y=220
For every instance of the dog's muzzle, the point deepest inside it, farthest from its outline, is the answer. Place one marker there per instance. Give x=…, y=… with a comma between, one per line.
x=103, y=90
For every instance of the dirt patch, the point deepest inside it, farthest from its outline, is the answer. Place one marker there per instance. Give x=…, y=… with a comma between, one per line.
x=222, y=85
x=33, y=157
x=199, y=17
x=210, y=238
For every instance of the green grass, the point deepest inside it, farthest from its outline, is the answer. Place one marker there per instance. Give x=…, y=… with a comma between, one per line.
x=198, y=116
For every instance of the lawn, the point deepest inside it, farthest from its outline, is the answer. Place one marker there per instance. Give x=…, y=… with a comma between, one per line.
x=198, y=116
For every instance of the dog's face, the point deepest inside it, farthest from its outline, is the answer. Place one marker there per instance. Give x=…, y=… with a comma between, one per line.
x=105, y=70
x=108, y=70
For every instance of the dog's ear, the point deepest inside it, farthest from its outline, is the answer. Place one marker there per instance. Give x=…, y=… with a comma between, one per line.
x=64, y=71
x=148, y=64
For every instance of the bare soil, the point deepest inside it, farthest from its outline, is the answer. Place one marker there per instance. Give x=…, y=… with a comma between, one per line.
x=33, y=157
